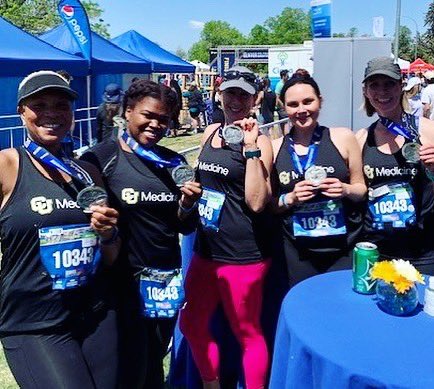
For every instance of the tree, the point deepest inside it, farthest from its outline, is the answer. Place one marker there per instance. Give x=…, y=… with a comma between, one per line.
x=406, y=44
x=181, y=53
x=353, y=32
x=292, y=26
x=259, y=35
x=426, y=41
x=38, y=16
x=215, y=33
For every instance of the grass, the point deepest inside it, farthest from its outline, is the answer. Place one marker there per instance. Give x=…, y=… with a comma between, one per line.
x=181, y=142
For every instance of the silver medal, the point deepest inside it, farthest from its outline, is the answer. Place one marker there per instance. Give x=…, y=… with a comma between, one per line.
x=233, y=134
x=92, y=195
x=410, y=151
x=315, y=174
x=182, y=173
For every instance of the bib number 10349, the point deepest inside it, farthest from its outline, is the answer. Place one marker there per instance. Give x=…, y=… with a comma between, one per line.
x=72, y=258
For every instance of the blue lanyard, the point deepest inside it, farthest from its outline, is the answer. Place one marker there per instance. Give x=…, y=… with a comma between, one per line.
x=312, y=151
x=408, y=129
x=148, y=154
x=64, y=164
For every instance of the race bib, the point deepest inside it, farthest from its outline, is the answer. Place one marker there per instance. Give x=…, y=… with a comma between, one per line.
x=395, y=206
x=319, y=219
x=162, y=292
x=70, y=254
x=210, y=207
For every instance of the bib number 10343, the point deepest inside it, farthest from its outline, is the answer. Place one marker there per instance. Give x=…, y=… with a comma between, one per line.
x=73, y=258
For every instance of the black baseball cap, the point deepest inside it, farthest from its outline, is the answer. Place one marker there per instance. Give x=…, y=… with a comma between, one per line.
x=44, y=80
x=384, y=66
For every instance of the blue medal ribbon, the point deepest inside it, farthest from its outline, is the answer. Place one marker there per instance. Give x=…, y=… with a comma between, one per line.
x=149, y=155
x=64, y=164
x=408, y=129
x=302, y=164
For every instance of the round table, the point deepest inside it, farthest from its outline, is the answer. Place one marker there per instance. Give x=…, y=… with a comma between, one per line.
x=331, y=337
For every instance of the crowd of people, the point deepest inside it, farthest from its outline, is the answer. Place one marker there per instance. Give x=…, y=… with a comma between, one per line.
x=92, y=278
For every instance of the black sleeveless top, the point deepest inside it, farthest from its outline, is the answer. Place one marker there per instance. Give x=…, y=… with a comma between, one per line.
x=147, y=200
x=328, y=156
x=27, y=300
x=414, y=242
x=243, y=234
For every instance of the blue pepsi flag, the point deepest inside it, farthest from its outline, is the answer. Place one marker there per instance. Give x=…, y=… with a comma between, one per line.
x=74, y=16
x=321, y=18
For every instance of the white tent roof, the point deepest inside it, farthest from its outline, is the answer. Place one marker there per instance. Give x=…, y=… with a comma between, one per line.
x=200, y=65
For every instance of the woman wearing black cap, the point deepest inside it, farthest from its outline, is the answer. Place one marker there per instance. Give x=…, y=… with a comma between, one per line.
x=231, y=256
x=398, y=163
x=109, y=108
x=155, y=206
x=320, y=186
x=56, y=325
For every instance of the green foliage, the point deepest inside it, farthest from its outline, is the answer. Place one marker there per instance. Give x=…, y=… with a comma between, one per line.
x=406, y=44
x=199, y=51
x=259, y=35
x=38, y=16
x=426, y=40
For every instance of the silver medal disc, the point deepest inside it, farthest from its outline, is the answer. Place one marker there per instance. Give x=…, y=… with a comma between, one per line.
x=410, y=151
x=92, y=195
x=315, y=174
x=233, y=134
x=183, y=173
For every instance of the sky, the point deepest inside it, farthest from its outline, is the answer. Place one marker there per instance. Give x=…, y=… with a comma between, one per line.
x=177, y=24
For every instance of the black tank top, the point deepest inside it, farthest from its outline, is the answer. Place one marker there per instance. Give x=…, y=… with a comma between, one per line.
x=243, y=235
x=147, y=199
x=328, y=156
x=414, y=242
x=267, y=106
x=27, y=300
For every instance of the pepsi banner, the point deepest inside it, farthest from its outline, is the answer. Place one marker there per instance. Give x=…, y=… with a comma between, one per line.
x=74, y=16
x=321, y=18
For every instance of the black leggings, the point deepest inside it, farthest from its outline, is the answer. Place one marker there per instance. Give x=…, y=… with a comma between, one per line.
x=84, y=357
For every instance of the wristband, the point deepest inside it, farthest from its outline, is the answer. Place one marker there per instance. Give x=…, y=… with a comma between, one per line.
x=252, y=153
x=112, y=239
x=282, y=199
x=187, y=210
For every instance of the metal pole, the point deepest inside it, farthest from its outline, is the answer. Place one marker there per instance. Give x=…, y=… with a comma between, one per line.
x=397, y=27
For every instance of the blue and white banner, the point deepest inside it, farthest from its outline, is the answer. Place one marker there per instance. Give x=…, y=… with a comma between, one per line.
x=74, y=16
x=321, y=11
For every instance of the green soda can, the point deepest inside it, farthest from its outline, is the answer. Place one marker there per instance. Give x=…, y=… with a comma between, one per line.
x=365, y=254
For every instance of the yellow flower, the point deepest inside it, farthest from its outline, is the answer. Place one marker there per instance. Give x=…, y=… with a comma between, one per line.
x=385, y=271
x=402, y=284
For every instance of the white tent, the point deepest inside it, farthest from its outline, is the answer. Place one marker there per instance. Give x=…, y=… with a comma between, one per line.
x=200, y=65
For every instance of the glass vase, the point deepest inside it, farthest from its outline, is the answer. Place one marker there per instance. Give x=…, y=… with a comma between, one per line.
x=395, y=303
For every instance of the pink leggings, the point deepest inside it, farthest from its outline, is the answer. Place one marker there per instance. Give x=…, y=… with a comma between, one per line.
x=239, y=289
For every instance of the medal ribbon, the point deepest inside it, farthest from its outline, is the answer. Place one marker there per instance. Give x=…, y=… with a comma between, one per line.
x=312, y=152
x=408, y=128
x=64, y=164
x=149, y=155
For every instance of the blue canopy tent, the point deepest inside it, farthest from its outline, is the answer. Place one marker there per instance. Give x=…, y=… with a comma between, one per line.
x=162, y=60
x=108, y=62
x=20, y=54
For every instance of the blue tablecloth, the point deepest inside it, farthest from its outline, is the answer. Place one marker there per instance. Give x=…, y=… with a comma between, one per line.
x=328, y=336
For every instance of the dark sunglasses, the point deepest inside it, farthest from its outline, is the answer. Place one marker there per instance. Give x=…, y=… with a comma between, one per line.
x=236, y=75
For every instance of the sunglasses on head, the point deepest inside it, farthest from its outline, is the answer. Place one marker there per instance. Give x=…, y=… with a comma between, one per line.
x=236, y=75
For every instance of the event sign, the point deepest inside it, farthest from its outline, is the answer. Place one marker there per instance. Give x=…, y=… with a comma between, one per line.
x=74, y=16
x=321, y=18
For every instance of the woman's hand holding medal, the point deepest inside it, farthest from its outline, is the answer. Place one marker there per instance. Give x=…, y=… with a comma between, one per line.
x=250, y=128
x=103, y=220
x=426, y=152
x=191, y=192
x=333, y=187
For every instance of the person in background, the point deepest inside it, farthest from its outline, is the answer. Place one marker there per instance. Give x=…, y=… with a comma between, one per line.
x=154, y=210
x=412, y=94
x=108, y=109
x=195, y=106
x=266, y=102
x=57, y=320
x=217, y=114
x=280, y=106
x=174, y=123
x=398, y=165
x=319, y=188
x=427, y=96
x=232, y=253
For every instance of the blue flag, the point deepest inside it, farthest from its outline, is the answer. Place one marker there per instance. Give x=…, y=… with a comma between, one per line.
x=74, y=16
x=321, y=18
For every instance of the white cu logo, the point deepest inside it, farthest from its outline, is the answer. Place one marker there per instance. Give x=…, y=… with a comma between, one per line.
x=369, y=171
x=41, y=205
x=130, y=196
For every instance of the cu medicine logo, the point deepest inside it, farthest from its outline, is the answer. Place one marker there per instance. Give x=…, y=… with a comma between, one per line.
x=382, y=171
x=131, y=196
x=44, y=206
x=69, y=12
